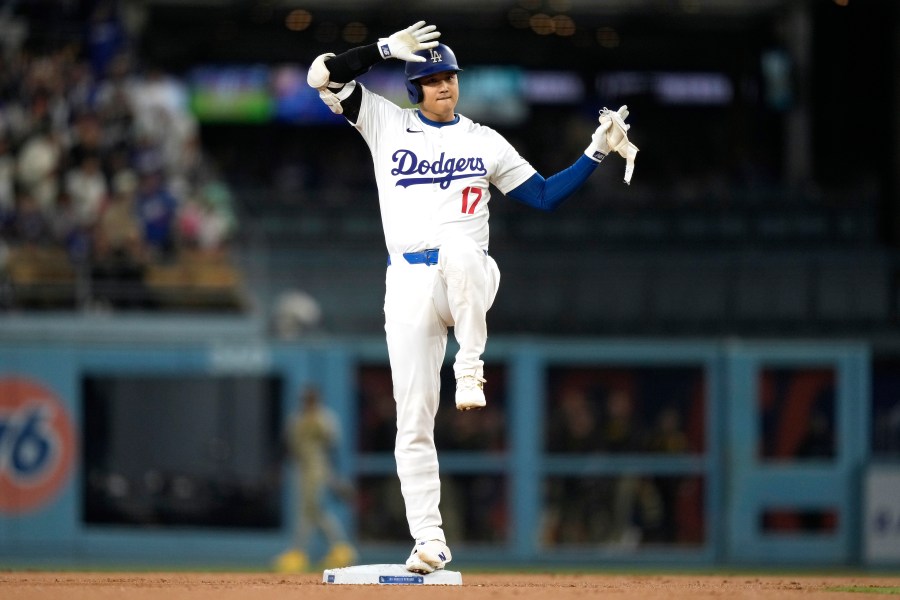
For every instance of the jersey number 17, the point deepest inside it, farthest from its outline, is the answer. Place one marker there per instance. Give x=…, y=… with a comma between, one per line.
x=473, y=194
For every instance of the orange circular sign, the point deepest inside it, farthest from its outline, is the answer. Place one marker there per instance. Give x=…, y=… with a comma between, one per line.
x=37, y=445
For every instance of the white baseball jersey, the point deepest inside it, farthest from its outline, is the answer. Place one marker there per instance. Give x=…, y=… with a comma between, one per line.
x=434, y=181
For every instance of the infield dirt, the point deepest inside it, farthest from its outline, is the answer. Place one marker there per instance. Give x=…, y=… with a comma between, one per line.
x=28, y=585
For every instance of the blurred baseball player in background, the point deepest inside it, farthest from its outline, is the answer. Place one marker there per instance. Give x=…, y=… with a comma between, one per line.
x=311, y=436
x=434, y=168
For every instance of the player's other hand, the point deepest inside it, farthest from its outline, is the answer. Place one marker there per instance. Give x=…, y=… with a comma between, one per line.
x=612, y=136
x=617, y=135
x=599, y=147
x=405, y=43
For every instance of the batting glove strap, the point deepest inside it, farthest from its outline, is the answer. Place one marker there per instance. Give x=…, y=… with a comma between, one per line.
x=630, y=154
x=405, y=43
x=333, y=100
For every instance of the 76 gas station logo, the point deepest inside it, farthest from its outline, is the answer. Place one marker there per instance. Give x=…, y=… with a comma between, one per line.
x=37, y=445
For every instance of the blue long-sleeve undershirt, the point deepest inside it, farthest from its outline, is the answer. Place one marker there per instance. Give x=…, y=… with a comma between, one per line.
x=547, y=194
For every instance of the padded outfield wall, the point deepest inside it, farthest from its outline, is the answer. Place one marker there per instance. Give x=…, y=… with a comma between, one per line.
x=158, y=441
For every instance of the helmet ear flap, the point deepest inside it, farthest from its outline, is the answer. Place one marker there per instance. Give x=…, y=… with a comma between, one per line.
x=414, y=91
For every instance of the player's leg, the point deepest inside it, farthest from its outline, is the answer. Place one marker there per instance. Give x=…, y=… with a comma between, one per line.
x=296, y=559
x=316, y=517
x=310, y=489
x=417, y=341
x=470, y=280
x=306, y=515
x=340, y=552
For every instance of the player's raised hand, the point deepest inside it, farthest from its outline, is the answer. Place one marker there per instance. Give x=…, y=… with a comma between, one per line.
x=617, y=135
x=612, y=136
x=599, y=147
x=406, y=42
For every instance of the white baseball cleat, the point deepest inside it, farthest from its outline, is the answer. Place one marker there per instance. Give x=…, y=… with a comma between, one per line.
x=428, y=556
x=470, y=393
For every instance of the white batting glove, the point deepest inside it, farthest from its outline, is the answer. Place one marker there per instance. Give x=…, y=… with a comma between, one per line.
x=319, y=76
x=618, y=131
x=617, y=138
x=331, y=92
x=406, y=42
x=599, y=147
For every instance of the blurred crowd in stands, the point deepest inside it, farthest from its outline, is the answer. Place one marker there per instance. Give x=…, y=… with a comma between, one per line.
x=102, y=172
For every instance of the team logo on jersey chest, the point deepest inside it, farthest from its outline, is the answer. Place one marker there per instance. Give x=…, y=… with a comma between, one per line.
x=415, y=171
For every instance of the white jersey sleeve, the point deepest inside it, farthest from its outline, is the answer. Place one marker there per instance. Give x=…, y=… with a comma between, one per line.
x=434, y=178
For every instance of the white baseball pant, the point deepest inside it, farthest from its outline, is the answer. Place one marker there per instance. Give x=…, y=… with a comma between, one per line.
x=421, y=302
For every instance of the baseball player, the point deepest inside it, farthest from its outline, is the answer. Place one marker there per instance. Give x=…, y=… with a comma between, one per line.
x=434, y=168
x=311, y=435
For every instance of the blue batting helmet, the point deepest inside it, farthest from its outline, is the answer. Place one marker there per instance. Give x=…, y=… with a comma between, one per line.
x=437, y=60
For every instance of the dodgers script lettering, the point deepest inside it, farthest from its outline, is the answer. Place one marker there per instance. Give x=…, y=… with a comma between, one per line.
x=443, y=170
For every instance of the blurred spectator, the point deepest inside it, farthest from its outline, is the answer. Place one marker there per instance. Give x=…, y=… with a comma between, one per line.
x=114, y=106
x=183, y=157
x=30, y=225
x=621, y=430
x=118, y=229
x=106, y=36
x=86, y=138
x=120, y=253
x=192, y=224
x=86, y=187
x=574, y=425
x=159, y=102
x=206, y=220
x=163, y=121
x=7, y=178
x=218, y=196
x=157, y=209
x=81, y=89
x=38, y=165
x=668, y=436
x=146, y=155
x=68, y=230
x=42, y=92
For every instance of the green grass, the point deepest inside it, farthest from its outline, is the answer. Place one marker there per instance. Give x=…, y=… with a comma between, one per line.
x=866, y=589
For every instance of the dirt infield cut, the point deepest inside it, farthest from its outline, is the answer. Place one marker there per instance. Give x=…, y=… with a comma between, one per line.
x=26, y=585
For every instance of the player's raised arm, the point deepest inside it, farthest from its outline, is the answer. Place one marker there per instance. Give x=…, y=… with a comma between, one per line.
x=333, y=75
x=610, y=136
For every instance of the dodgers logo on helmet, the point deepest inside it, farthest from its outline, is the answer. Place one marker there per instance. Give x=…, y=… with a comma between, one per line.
x=437, y=60
x=37, y=445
